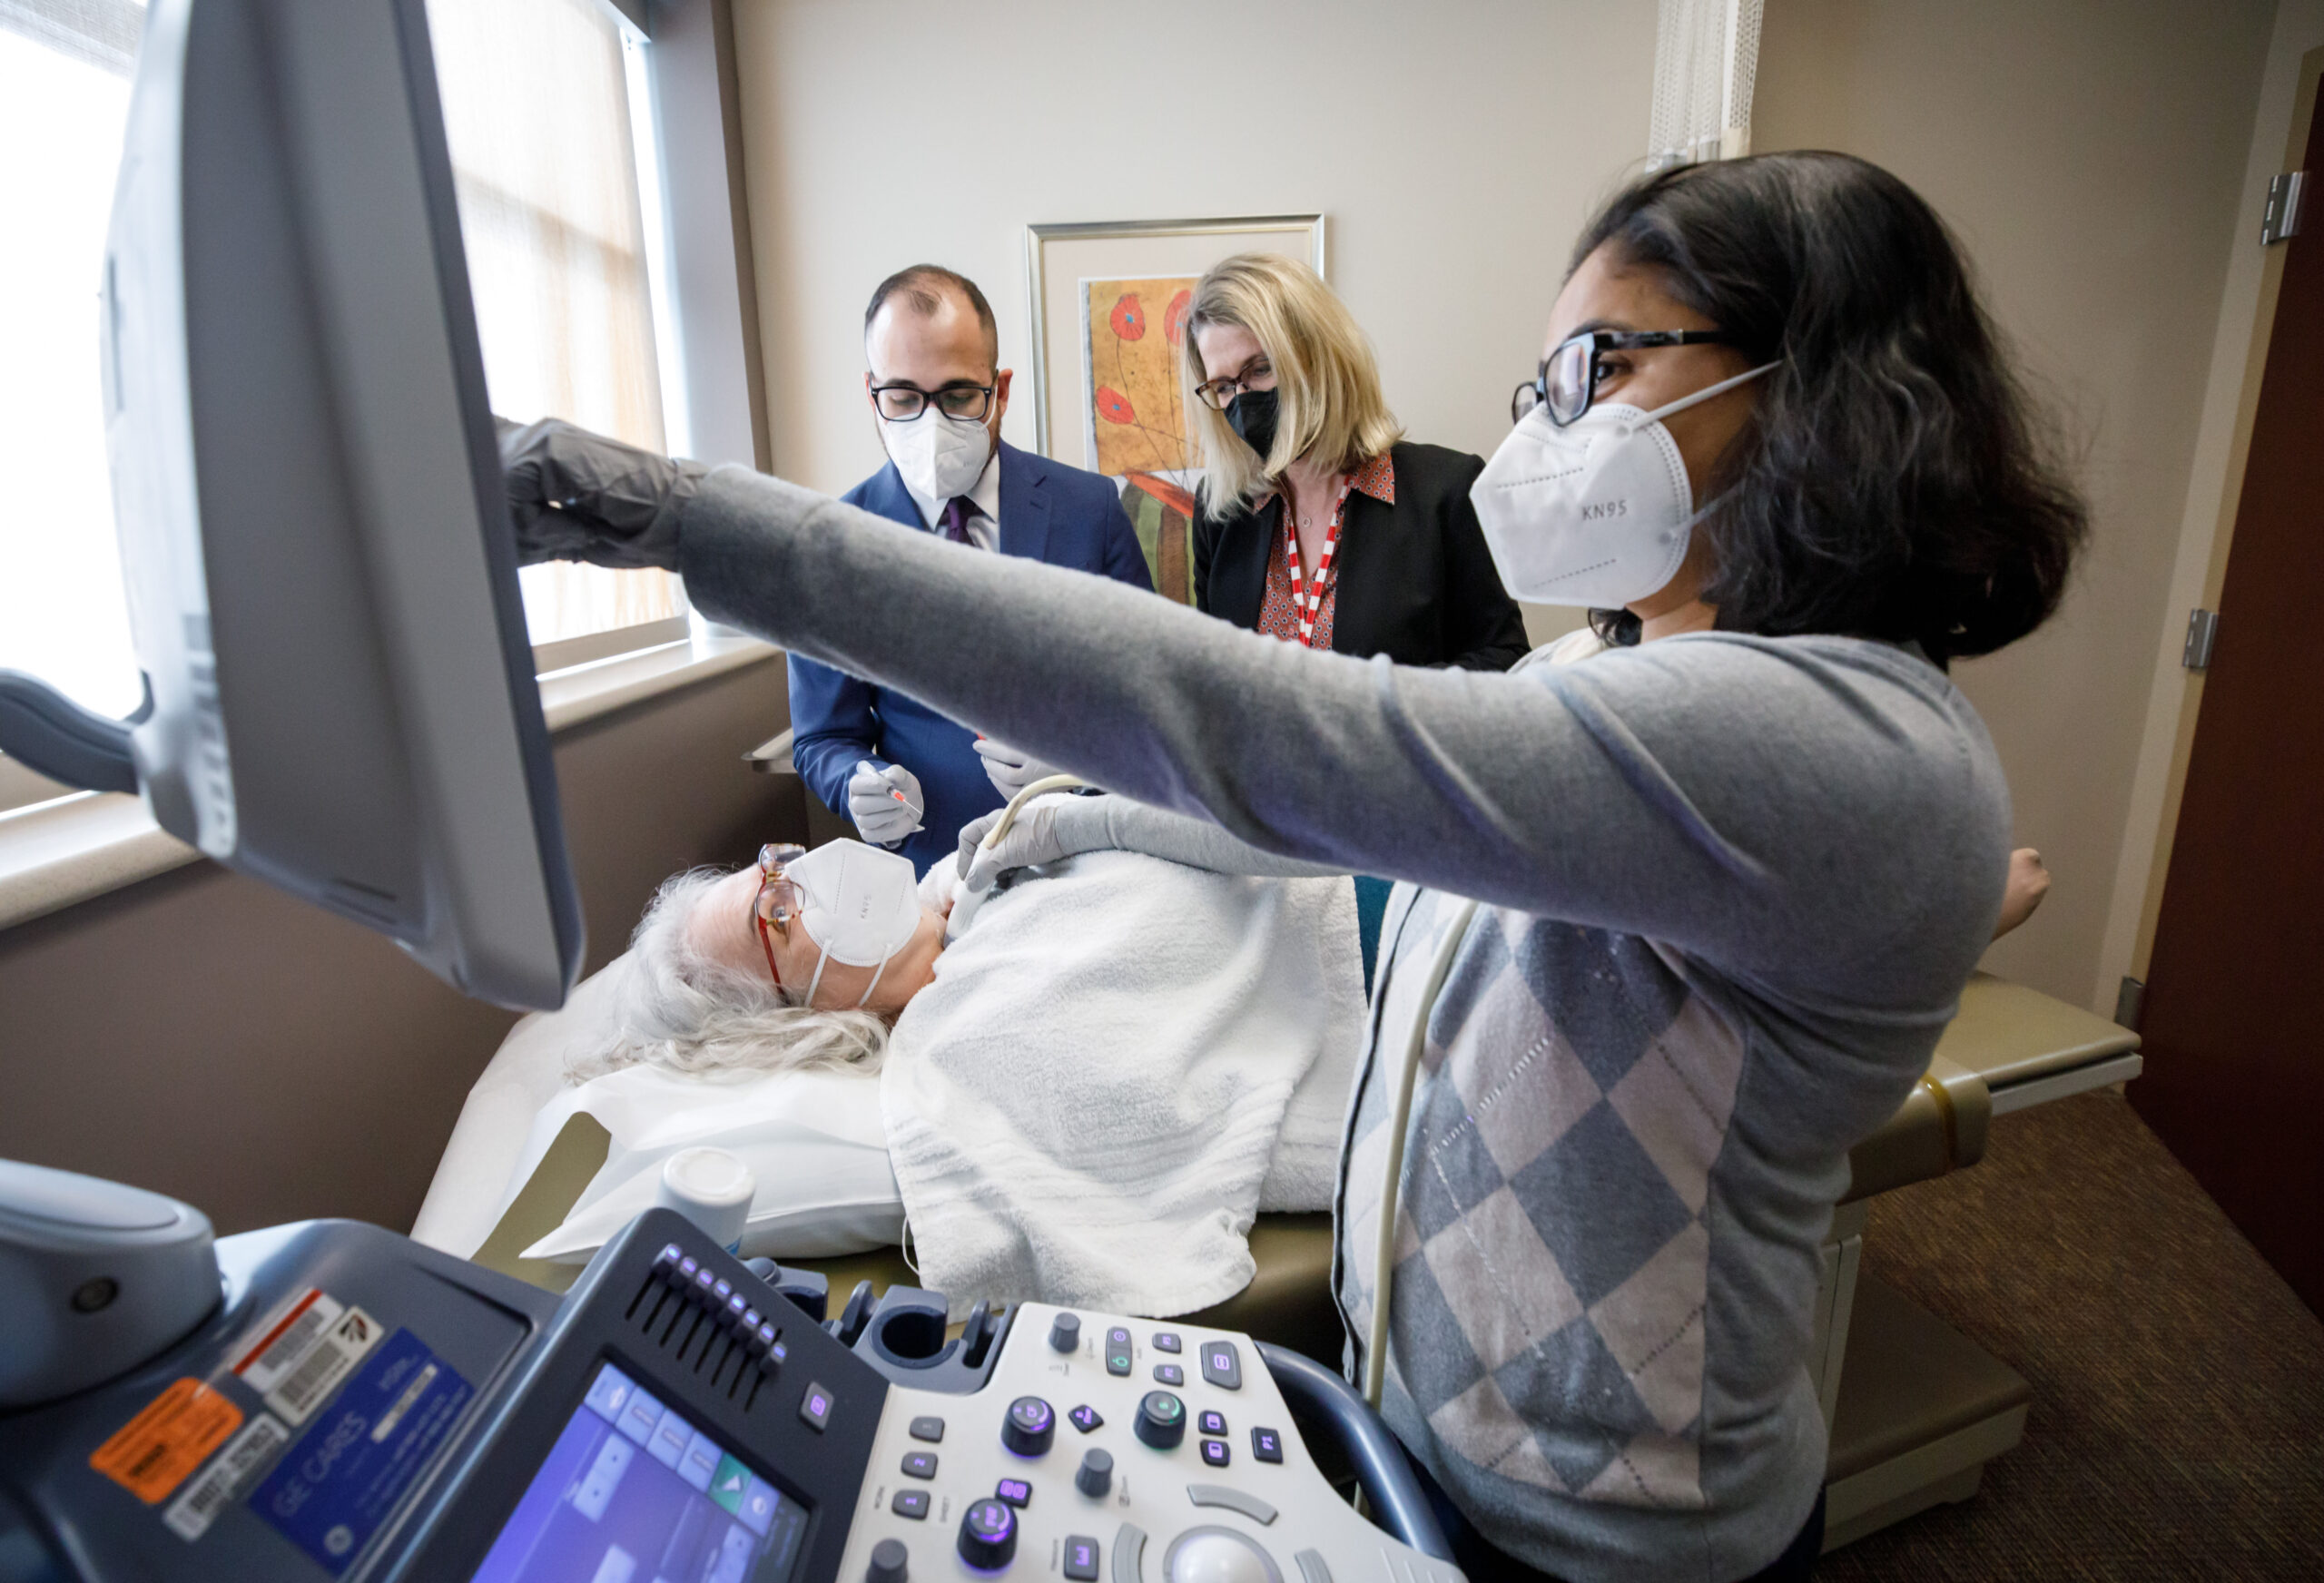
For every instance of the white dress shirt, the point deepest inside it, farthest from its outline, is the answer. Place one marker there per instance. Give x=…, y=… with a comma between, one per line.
x=984, y=526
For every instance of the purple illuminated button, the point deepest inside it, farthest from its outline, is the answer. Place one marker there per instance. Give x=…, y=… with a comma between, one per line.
x=750, y=1319
x=1170, y=1374
x=815, y=1408
x=687, y=1267
x=1029, y=1427
x=1081, y=1559
x=724, y=1289
x=1221, y=1365
x=735, y=1309
x=1166, y=1341
x=1267, y=1445
x=1214, y=1453
x=668, y=1256
x=987, y=1535
x=1015, y=1492
x=1212, y=1424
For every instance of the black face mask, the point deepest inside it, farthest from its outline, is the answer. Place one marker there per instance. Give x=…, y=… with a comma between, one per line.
x=1251, y=415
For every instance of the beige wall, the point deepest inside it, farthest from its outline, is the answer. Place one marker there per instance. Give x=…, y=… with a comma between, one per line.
x=1455, y=150
x=2091, y=154
x=206, y=1035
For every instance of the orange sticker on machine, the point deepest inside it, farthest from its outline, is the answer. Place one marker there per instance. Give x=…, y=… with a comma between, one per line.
x=154, y=1451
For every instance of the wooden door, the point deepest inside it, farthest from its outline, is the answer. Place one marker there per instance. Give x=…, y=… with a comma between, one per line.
x=2233, y=1018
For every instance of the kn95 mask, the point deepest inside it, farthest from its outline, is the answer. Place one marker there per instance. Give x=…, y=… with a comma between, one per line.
x=938, y=457
x=859, y=904
x=1596, y=513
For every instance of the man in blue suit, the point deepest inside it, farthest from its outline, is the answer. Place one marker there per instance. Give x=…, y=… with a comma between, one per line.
x=905, y=774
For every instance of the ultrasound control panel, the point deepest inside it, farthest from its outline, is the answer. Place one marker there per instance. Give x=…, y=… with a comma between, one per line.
x=1104, y=1448
x=362, y=1409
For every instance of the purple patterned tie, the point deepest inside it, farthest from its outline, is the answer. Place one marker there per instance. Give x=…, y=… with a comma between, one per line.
x=957, y=512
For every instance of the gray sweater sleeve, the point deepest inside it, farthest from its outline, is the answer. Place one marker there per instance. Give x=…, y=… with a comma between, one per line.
x=1113, y=823
x=1823, y=816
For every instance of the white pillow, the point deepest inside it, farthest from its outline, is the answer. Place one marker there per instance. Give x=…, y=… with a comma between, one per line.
x=813, y=1140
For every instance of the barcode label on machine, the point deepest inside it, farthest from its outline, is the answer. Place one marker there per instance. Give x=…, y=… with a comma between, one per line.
x=331, y=1358
x=285, y=1339
x=192, y=1513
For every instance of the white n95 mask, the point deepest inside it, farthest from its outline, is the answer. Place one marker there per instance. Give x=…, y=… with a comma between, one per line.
x=859, y=903
x=1597, y=513
x=938, y=457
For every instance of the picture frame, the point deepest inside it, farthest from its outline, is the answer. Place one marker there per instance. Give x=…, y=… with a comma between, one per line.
x=1107, y=302
x=1059, y=255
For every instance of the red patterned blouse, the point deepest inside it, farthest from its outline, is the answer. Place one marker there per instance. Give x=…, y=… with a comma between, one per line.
x=1279, y=610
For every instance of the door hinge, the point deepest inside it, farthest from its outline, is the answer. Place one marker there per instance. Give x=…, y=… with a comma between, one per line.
x=2129, y=1001
x=2286, y=201
x=2203, y=632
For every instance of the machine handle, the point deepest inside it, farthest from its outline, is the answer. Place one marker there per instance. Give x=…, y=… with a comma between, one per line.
x=1398, y=1503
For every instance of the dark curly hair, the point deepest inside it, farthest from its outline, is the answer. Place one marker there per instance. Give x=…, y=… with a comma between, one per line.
x=1893, y=482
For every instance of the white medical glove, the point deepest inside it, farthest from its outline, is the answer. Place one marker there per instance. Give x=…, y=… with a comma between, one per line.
x=1011, y=770
x=886, y=805
x=1048, y=829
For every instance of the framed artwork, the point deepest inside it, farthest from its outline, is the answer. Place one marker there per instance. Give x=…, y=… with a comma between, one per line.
x=1109, y=308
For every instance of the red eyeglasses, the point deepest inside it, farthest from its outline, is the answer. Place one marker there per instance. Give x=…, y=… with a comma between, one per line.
x=778, y=900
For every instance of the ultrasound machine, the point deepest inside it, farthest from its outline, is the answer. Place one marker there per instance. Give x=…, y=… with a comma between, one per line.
x=340, y=700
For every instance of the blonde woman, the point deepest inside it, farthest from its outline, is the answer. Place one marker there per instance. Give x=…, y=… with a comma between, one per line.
x=1320, y=524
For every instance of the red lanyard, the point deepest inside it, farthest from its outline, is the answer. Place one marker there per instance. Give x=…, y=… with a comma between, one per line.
x=1310, y=605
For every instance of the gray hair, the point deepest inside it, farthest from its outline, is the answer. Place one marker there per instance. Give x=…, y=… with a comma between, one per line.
x=674, y=1008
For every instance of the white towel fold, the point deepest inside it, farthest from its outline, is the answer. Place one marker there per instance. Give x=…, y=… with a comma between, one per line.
x=1083, y=1106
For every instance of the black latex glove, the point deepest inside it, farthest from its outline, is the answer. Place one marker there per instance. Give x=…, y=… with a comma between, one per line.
x=574, y=495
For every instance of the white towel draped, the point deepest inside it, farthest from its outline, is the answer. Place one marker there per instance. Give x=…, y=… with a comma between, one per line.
x=1084, y=1106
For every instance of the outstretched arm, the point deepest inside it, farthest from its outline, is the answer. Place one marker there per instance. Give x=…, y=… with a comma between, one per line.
x=1706, y=793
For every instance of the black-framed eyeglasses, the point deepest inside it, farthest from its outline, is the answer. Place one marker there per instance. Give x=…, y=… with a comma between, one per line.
x=1569, y=376
x=1217, y=393
x=902, y=403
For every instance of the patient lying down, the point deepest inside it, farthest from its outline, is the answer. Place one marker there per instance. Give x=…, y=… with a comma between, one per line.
x=1084, y=1099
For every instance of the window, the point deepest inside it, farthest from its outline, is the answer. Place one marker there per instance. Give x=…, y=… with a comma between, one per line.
x=538, y=107
x=63, y=101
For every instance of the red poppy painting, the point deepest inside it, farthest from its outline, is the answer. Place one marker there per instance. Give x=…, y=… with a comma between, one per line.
x=1135, y=422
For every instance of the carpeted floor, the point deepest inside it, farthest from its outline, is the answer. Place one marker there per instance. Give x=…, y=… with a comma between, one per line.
x=2177, y=1430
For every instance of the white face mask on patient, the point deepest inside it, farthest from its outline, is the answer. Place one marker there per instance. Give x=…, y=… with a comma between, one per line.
x=938, y=457
x=1597, y=513
x=860, y=905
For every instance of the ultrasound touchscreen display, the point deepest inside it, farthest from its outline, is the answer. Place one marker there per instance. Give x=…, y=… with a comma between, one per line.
x=634, y=1493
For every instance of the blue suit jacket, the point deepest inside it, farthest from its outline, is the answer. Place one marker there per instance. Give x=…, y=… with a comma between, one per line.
x=1049, y=512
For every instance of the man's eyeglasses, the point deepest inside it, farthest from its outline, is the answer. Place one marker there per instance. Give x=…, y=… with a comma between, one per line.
x=778, y=901
x=1217, y=393
x=1569, y=376
x=902, y=403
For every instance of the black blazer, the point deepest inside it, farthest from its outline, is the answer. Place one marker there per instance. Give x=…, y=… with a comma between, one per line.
x=1416, y=580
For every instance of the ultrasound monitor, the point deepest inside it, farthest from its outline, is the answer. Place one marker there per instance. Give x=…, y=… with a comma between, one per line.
x=321, y=578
